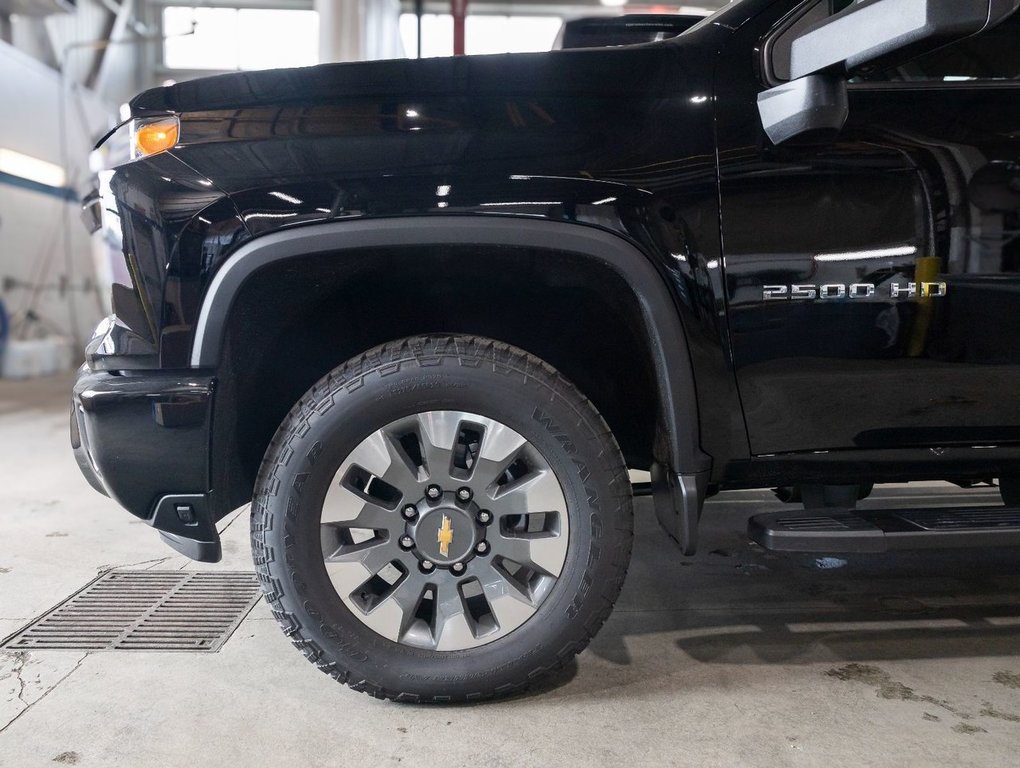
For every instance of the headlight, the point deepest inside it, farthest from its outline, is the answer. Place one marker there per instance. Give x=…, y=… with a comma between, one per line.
x=150, y=136
x=141, y=137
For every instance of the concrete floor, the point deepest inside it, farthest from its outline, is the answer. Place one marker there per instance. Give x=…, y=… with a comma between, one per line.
x=733, y=658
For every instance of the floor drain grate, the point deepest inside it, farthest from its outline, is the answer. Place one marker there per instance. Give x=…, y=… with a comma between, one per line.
x=145, y=611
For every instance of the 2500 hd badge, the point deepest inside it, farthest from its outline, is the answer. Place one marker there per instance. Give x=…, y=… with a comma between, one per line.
x=852, y=291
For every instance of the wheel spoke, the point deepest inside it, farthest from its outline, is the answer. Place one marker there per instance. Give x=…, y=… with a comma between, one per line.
x=382, y=456
x=499, y=446
x=543, y=552
x=510, y=607
x=487, y=473
x=373, y=557
x=402, y=472
x=345, y=508
x=535, y=491
x=453, y=625
x=499, y=443
x=373, y=454
x=392, y=615
x=438, y=432
x=337, y=547
x=373, y=547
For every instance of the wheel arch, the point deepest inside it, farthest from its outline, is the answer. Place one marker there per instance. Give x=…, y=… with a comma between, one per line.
x=662, y=329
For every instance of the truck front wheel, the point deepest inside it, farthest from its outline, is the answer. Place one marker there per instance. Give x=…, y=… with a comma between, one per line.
x=442, y=519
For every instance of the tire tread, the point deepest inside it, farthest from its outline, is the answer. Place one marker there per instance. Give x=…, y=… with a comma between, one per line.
x=426, y=351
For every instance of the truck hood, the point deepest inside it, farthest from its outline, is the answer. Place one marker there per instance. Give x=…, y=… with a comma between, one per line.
x=598, y=72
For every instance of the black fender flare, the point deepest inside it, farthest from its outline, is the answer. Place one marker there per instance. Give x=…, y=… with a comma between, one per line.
x=664, y=330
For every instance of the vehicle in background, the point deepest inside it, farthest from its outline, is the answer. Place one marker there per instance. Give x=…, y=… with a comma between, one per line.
x=601, y=31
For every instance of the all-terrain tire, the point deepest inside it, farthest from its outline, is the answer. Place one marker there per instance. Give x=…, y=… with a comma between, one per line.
x=428, y=374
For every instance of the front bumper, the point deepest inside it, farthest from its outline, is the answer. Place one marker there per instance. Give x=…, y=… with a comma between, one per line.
x=143, y=439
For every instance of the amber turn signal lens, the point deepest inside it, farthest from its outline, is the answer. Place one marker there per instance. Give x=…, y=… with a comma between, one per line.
x=155, y=137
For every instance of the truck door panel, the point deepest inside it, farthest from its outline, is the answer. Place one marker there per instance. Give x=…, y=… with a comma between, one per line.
x=921, y=187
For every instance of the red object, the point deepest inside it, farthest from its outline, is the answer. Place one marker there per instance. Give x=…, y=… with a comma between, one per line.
x=458, y=9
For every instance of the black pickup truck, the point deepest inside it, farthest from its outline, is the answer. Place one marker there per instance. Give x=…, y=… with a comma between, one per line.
x=424, y=315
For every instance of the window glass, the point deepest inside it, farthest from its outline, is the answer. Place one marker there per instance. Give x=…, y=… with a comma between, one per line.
x=436, y=34
x=239, y=38
x=482, y=33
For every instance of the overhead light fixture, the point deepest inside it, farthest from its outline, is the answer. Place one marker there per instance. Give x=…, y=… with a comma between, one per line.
x=614, y=3
x=32, y=168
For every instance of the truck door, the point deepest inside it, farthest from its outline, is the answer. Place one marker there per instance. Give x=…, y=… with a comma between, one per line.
x=873, y=277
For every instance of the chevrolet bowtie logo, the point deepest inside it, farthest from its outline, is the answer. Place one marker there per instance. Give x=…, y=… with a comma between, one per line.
x=445, y=537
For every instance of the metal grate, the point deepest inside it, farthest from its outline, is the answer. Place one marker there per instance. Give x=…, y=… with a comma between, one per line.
x=145, y=611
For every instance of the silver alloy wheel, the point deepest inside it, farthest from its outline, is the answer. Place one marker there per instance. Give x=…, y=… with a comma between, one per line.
x=444, y=530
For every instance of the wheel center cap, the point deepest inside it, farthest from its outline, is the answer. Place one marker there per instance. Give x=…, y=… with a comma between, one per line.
x=445, y=535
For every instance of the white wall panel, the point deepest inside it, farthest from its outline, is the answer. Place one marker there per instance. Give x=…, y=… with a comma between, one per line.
x=33, y=223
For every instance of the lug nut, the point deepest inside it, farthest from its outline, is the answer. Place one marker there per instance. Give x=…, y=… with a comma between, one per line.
x=457, y=567
x=485, y=517
x=482, y=547
x=406, y=542
x=410, y=512
x=464, y=494
x=427, y=565
x=433, y=492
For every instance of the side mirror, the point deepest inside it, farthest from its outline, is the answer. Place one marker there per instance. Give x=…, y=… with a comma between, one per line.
x=812, y=103
x=870, y=32
x=875, y=29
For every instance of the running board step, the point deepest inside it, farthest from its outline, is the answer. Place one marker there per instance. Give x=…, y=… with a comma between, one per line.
x=849, y=530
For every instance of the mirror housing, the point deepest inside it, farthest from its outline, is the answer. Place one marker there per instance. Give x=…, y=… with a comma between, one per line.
x=812, y=103
x=875, y=29
x=869, y=32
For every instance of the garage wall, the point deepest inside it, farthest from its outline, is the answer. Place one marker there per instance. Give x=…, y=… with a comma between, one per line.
x=39, y=269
